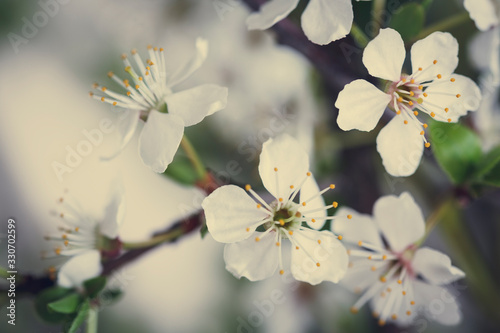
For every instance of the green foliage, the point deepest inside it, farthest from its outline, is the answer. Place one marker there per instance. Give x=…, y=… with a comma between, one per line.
x=408, y=20
x=204, y=231
x=488, y=170
x=457, y=150
x=94, y=286
x=181, y=170
x=80, y=317
x=47, y=296
x=68, y=304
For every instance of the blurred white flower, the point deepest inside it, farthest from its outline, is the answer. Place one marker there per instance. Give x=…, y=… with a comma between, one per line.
x=398, y=278
x=254, y=231
x=84, y=238
x=323, y=21
x=432, y=88
x=146, y=97
x=485, y=13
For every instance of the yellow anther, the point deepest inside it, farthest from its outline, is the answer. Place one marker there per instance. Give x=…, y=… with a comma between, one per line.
x=349, y=216
x=340, y=237
x=394, y=317
x=449, y=120
x=95, y=85
x=136, y=86
x=102, y=99
x=61, y=215
x=134, y=51
x=415, y=113
x=280, y=199
x=91, y=94
x=403, y=79
x=291, y=187
x=304, y=203
x=384, y=257
x=276, y=169
x=248, y=187
x=298, y=214
x=114, y=103
x=383, y=279
x=410, y=103
x=375, y=314
x=439, y=76
x=332, y=186
x=446, y=109
x=278, y=244
x=282, y=272
x=296, y=248
x=412, y=302
x=140, y=78
x=290, y=232
x=404, y=293
x=257, y=239
x=52, y=269
x=259, y=205
x=318, y=264
x=398, y=112
x=374, y=268
x=128, y=93
x=369, y=257
x=400, y=99
x=161, y=49
x=435, y=62
x=452, y=79
x=412, y=93
x=408, y=313
x=427, y=144
x=412, y=81
x=156, y=49
x=433, y=114
x=282, y=222
x=458, y=95
x=425, y=95
x=124, y=56
x=420, y=87
x=354, y=310
x=110, y=74
x=64, y=236
x=149, y=46
x=425, y=125
x=399, y=281
x=406, y=122
x=381, y=322
x=309, y=174
x=335, y=204
x=422, y=132
x=248, y=229
x=360, y=243
x=127, y=69
x=57, y=251
x=313, y=220
x=389, y=290
x=77, y=229
x=319, y=241
x=66, y=243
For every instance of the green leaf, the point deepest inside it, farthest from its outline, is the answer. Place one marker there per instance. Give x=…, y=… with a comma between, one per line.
x=80, y=317
x=47, y=296
x=110, y=296
x=204, y=231
x=181, y=170
x=94, y=286
x=457, y=150
x=488, y=170
x=408, y=20
x=68, y=304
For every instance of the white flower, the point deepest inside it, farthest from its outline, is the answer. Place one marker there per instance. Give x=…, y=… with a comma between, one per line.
x=432, y=88
x=323, y=21
x=399, y=279
x=83, y=238
x=485, y=13
x=146, y=96
x=255, y=231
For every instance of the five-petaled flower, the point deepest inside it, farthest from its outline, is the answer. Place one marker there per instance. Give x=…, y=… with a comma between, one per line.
x=432, y=88
x=255, y=231
x=323, y=21
x=395, y=275
x=150, y=97
x=84, y=239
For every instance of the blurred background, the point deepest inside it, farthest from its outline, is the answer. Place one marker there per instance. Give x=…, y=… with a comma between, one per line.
x=184, y=287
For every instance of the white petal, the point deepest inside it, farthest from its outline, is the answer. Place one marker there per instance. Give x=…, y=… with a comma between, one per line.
x=360, y=227
x=435, y=266
x=307, y=191
x=360, y=106
x=440, y=46
x=330, y=254
x=79, y=268
x=115, y=211
x=400, y=220
x=269, y=13
x=444, y=95
x=160, y=139
x=125, y=129
x=285, y=154
x=483, y=12
x=385, y=54
x=401, y=147
x=229, y=211
x=439, y=304
x=325, y=21
x=192, y=65
x=251, y=259
x=194, y=104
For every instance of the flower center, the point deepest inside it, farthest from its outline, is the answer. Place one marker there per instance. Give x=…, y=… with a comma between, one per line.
x=285, y=217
